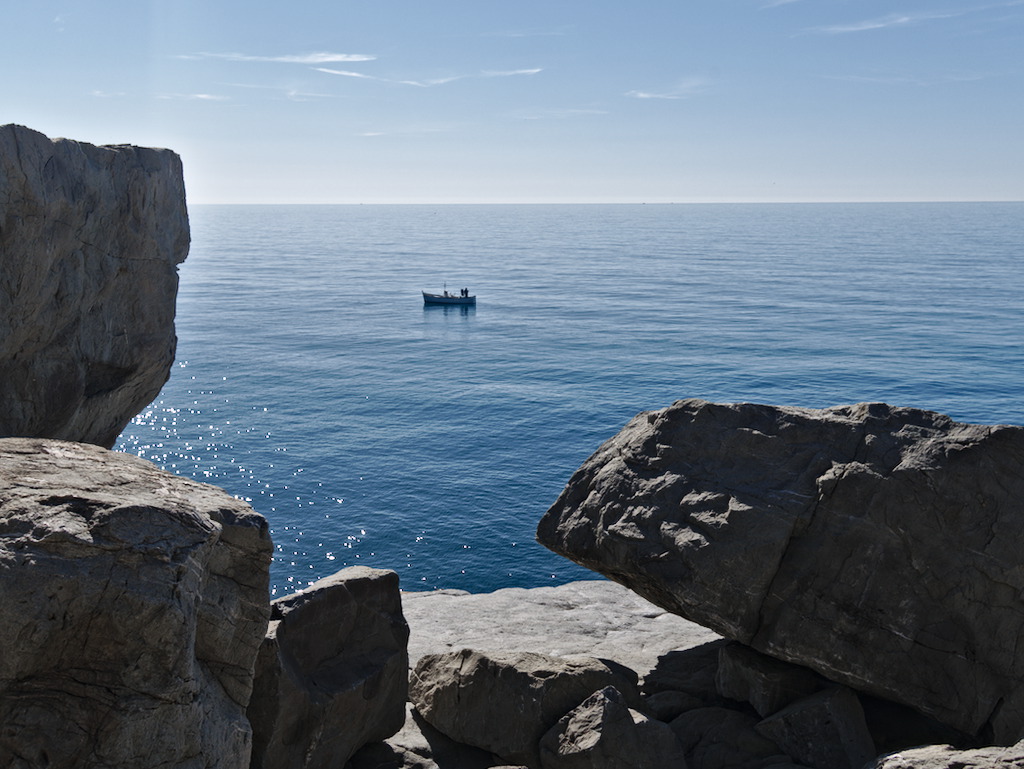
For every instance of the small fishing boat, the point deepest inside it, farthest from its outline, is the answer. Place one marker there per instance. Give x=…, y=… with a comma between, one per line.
x=463, y=297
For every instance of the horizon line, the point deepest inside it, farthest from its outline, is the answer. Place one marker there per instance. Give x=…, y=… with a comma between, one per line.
x=837, y=201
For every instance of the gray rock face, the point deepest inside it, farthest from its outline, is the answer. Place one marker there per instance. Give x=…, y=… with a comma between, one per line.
x=90, y=240
x=132, y=605
x=826, y=731
x=720, y=738
x=505, y=703
x=766, y=683
x=878, y=546
x=332, y=673
x=603, y=732
x=947, y=757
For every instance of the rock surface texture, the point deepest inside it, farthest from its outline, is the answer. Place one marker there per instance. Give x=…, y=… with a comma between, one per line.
x=947, y=757
x=132, y=605
x=90, y=240
x=877, y=546
x=605, y=733
x=505, y=703
x=332, y=673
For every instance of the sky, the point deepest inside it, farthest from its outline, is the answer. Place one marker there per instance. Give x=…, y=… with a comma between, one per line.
x=559, y=101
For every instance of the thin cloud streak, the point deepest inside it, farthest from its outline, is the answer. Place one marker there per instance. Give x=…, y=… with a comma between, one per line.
x=884, y=22
x=428, y=83
x=193, y=97
x=305, y=58
x=510, y=73
x=683, y=90
x=906, y=19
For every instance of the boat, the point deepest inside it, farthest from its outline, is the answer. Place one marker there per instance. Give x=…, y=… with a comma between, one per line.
x=463, y=298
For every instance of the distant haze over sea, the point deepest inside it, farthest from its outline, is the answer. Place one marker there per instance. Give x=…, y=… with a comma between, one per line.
x=372, y=430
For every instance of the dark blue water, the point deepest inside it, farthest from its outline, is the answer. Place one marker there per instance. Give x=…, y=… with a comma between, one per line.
x=368, y=429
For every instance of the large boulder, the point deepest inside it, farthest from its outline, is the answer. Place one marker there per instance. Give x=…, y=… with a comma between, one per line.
x=878, y=546
x=90, y=240
x=505, y=703
x=132, y=605
x=826, y=730
x=332, y=673
x=603, y=732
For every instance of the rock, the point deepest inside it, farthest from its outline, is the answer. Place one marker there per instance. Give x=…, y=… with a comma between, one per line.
x=824, y=731
x=132, y=605
x=896, y=727
x=595, y=618
x=603, y=732
x=332, y=672
x=721, y=738
x=693, y=670
x=90, y=240
x=878, y=546
x=505, y=703
x=766, y=683
x=380, y=755
x=422, y=739
x=947, y=757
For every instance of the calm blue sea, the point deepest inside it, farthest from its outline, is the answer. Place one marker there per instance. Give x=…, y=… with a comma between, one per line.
x=372, y=430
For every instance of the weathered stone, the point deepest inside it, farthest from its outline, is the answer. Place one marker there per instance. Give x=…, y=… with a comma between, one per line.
x=595, y=618
x=691, y=671
x=90, y=240
x=766, y=683
x=332, y=672
x=603, y=732
x=878, y=546
x=132, y=605
x=721, y=738
x=381, y=755
x=505, y=703
x=825, y=731
x=948, y=757
x=896, y=727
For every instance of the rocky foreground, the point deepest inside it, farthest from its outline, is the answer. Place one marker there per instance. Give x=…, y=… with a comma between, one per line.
x=828, y=589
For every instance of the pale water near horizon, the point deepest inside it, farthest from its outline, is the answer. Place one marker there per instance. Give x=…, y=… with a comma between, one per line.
x=369, y=429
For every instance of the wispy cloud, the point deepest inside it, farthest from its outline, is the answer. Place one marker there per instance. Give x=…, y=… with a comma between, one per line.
x=429, y=83
x=288, y=92
x=906, y=19
x=682, y=90
x=510, y=72
x=884, y=22
x=777, y=3
x=320, y=57
x=415, y=130
x=193, y=97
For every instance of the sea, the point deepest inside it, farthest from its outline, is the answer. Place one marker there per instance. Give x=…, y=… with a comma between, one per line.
x=370, y=429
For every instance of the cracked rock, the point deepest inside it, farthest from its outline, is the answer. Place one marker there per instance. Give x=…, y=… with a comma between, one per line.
x=90, y=241
x=878, y=546
x=132, y=605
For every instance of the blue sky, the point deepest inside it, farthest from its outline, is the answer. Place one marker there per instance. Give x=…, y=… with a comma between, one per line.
x=332, y=101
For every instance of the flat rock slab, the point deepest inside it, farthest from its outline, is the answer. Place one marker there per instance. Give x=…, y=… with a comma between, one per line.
x=597, y=618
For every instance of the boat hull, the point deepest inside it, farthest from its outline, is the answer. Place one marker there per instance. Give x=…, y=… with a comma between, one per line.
x=442, y=299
